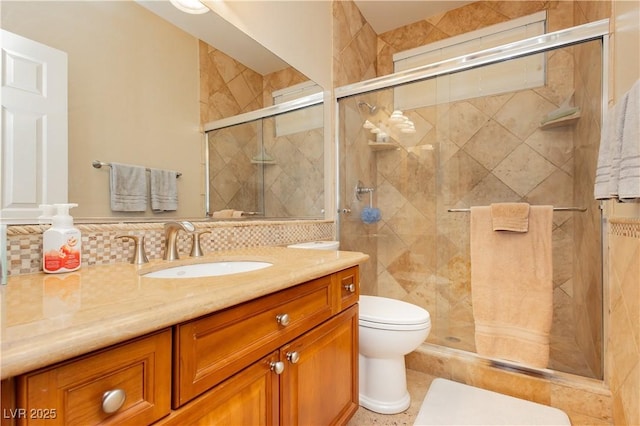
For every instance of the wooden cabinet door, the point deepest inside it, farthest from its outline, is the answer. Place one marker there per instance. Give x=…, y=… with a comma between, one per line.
x=248, y=398
x=319, y=385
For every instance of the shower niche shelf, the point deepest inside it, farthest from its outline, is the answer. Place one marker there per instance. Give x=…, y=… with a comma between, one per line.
x=383, y=146
x=265, y=162
x=563, y=121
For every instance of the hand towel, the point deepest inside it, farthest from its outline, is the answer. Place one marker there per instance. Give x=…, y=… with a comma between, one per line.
x=220, y=214
x=164, y=190
x=512, y=217
x=618, y=169
x=228, y=213
x=511, y=287
x=128, y=188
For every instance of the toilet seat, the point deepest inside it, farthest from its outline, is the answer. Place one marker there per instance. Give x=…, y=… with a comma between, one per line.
x=391, y=314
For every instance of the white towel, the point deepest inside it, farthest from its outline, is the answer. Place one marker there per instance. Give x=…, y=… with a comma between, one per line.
x=128, y=187
x=164, y=190
x=618, y=171
x=629, y=176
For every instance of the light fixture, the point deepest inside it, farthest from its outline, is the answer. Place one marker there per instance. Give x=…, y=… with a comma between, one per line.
x=190, y=6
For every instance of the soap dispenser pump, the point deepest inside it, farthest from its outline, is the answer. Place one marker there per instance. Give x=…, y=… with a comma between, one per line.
x=62, y=243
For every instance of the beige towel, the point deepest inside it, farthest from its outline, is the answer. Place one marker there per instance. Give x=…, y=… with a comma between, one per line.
x=228, y=213
x=511, y=287
x=510, y=217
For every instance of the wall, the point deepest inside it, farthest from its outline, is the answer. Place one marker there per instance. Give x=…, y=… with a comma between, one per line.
x=133, y=87
x=229, y=88
x=100, y=246
x=464, y=19
x=302, y=36
x=622, y=266
x=290, y=185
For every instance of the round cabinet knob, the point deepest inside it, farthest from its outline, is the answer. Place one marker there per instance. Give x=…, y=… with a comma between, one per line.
x=283, y=319
x=351, y=288
x=293, y=357
x=113, y=400
x=277, y=367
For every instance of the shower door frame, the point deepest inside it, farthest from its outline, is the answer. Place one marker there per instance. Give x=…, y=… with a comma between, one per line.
x=597, y=30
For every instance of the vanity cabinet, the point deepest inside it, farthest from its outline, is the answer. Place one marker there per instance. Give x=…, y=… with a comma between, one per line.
x=292, y=356
x=311, y=380
x=289, y=358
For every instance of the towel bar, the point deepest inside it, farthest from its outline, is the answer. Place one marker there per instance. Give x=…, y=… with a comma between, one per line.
x=555, y=209
x=99, y=164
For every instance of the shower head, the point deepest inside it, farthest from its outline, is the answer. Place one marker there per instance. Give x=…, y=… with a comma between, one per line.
x=372, y=108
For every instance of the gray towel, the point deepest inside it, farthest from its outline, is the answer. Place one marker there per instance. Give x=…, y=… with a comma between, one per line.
x=618, y=171
x=164, y=190
x=128, y=186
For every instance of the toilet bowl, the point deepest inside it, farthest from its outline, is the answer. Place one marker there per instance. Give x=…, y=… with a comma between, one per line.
x=389, y=329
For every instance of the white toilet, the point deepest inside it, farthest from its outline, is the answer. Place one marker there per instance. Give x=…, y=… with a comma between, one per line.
x=389, y=329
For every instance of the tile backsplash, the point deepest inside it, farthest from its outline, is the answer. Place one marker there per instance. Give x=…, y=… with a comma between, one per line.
x=100, y=245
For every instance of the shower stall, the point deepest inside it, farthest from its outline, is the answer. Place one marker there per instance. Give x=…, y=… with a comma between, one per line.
x=515, y=123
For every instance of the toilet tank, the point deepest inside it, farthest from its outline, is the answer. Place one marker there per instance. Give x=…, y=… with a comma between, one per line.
x=317, y=245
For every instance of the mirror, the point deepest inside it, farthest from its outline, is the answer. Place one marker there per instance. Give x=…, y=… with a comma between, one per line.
x=138, y=93
x=271, y=167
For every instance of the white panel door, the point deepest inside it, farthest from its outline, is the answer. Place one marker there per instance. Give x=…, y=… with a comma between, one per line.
x=34, y=127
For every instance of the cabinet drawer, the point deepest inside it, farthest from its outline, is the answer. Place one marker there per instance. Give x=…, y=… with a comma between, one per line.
x=72, y=393
x=214, y=347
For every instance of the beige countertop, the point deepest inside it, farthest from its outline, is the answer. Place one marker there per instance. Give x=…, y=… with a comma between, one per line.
x=47, y=318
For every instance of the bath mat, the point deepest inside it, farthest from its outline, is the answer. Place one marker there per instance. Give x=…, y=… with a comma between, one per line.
x=452, y=403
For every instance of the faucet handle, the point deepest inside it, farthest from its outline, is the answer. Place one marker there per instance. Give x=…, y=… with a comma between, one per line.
x=139, y=257
x=196, y=249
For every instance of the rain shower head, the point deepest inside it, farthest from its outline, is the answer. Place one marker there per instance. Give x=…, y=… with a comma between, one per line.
x=372, y=108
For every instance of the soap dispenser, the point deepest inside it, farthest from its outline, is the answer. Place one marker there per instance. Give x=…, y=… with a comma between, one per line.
x=62, y=243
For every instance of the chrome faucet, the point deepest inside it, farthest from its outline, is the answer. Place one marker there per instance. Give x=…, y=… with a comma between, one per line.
x=171, y=230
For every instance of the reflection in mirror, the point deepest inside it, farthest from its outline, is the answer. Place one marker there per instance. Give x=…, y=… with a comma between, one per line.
x=271, y=167
x=140, y=89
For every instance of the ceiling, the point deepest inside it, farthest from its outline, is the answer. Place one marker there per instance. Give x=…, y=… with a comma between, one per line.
x=386, y=15
x=382, y=15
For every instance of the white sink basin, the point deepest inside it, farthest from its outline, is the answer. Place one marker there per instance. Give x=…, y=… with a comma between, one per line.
x=211, y=269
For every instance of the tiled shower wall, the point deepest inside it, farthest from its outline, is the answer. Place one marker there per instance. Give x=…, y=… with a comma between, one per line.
x=623, y=339
x=291, y=185
x=228, y=88
x=100, y=246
